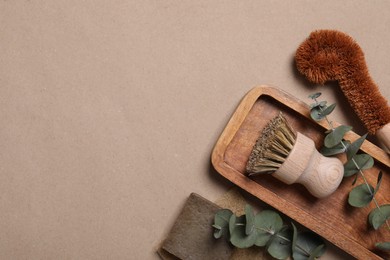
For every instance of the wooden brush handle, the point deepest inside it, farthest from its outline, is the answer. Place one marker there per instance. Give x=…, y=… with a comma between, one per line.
x=305, y=165
x=383, y=136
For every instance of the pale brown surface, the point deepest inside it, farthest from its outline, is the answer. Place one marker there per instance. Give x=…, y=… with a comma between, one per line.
x=110, y=109
x=340, y=223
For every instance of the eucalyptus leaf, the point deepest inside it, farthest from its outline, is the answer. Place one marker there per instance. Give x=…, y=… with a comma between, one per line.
x=336, y=136
x=328, y=131
x=378, y=216
x=218, y=232
x=232, y=223
x=335, y=150
x=307, y=244
x=216, y=226
x=279, y=246
x=363, y=161
x=318, y=251
x=267, y=230
x=383, y=245
x=221, y=222
x=361, y=196
x=355, y=179
x=328, y=110
x=295, y=236
x=355, y=146
x=267, y=223
x=316, y=114
x=315, y=95
x=378, y=183
x=321, y=104
x=250, y=220
x=262, y=238
x=238, y=237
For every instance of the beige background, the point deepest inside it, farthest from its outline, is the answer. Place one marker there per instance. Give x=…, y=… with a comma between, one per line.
x=110, y=109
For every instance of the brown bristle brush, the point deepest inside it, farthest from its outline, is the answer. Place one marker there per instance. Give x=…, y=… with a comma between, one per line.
x=293, y=158
x=328, y=55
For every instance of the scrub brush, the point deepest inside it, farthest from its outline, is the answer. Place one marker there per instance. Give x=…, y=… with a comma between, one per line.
x=293, y=158
x=328, y=55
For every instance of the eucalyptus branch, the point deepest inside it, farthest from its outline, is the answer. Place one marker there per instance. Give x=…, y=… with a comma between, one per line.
x=355, y=163
x=363, y=194
x=266, y=229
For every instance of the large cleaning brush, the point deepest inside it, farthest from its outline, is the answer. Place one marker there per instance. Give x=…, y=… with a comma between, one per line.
x=329, y=55
x=293, y=158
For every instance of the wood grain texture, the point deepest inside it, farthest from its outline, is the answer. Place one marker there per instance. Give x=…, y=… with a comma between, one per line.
x=305, y=165
x=331, y=217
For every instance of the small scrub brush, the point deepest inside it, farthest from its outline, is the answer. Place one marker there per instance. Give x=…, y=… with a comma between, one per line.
x=293, y=158
x=329, y=55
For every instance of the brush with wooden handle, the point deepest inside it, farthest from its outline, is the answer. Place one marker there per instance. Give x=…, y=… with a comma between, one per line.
x=328, y=55
x=293, y=158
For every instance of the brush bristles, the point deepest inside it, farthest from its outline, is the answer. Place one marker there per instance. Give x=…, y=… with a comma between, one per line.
x=272, y=147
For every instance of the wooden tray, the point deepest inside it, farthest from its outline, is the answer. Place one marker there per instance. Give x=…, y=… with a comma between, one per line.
x=331, y=217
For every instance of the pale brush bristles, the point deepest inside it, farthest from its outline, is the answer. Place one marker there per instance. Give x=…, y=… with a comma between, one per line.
x=272, y=147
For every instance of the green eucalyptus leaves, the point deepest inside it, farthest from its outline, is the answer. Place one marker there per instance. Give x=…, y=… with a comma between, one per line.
x=334, y=143
x=266, y=229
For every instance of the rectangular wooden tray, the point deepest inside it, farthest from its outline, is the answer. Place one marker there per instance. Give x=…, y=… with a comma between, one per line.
x=331, y=217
